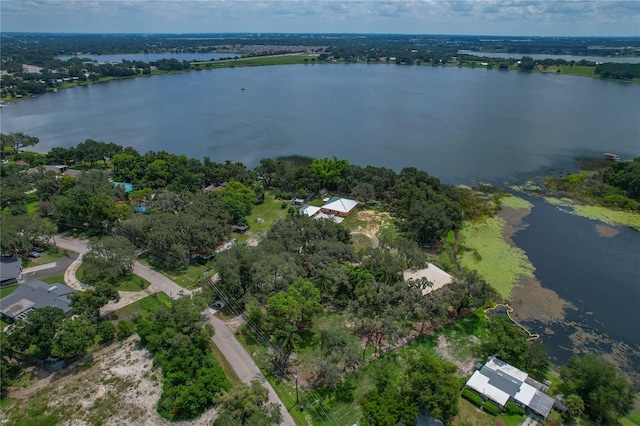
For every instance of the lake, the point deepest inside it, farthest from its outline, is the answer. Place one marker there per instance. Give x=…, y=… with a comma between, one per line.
x=153, y=57
x=568, y=58
x=459, y=124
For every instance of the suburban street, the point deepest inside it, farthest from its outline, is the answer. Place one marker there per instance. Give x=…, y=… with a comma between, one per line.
x=224, y=339
x=242, y=363
x=157, y=280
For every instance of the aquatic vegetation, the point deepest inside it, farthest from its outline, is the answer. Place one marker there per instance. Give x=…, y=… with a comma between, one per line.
x=604, y=214
x=515, y=202
x=500, y=263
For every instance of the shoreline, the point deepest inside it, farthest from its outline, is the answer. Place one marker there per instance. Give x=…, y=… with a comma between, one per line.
x=238, y=63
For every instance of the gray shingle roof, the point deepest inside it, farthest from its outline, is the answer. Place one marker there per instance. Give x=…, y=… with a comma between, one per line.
x=10, y=268
x=34, y=295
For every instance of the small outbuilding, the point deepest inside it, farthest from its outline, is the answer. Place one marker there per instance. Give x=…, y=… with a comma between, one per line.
x=240, y=229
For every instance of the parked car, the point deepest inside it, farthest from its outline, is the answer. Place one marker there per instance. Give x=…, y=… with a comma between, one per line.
x=218, y=305
x=34, y=254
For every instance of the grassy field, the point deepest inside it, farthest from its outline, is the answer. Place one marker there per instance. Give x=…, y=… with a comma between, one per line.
x=187, y=277
x=256, y=62
x=144, y=307
x=269, y=211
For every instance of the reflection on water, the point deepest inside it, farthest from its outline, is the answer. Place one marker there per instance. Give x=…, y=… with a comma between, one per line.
x=595, y=278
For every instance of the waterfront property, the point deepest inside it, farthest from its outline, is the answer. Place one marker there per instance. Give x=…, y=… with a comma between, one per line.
x=339, y=206
x=35, y=295
x=500, y=383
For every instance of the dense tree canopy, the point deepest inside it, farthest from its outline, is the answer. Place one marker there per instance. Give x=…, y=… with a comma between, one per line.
x=606, y=393
x=247, y=405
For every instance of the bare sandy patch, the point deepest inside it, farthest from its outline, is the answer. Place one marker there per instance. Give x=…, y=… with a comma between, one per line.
x=373, y=221
x=119, y=387
x=446, y=351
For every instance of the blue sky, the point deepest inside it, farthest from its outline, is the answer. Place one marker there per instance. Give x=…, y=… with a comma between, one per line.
x=479, y=17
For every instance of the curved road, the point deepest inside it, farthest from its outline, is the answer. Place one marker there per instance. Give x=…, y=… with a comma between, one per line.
x=224, y=339
x=156, y=279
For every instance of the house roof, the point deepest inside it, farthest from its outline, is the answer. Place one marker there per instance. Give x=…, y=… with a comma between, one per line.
x=500, y=381
x=34, y=295
x=499, y=365
x=341, y=205
x=10, y=268
x=309, y=210
x=480, y=383
x=541, y=403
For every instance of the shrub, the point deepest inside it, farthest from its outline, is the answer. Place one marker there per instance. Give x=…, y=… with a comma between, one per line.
x=513, y=408
x=106, y=331
x=620, y=201
x=472, y=397
x=491, y=408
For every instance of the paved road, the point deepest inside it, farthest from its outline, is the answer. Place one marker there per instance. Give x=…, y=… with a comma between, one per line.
x=156, y=279
x=223, y=338
x=242, y=363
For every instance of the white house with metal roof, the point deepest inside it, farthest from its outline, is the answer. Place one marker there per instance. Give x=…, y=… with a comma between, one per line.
x=500, y=383
x=339, y=206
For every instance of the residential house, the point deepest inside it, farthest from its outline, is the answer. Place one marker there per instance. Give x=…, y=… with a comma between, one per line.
x=35, y=295
x=500, y=383
x=10, y=270
x=310, y=211
x=339, y=206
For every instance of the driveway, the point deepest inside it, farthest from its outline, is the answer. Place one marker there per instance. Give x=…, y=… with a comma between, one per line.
x=157, y=280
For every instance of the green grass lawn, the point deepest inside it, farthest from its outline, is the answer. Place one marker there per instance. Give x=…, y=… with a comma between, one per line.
x=49, y=255
x=256, y=62
x=269, y=211
x=56, y=279
x=5, y=291
x=188, y=277
x=132, y=283
x=144, y=307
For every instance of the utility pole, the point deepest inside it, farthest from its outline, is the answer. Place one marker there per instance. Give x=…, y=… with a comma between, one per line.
x=296, y=376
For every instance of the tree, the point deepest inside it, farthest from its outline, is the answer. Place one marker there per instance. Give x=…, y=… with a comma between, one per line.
x=388, y=407
x=433, y=385
x=19, y=234
x=247, y=405
x=605, y=390
x=238, y=200
x=329, y=170
x=575, y=405
x=34, y=338
x=106, y=331
x=505, y=340
x=89, y=302
x=108, y=259
x=74, y=337
x=17, y=141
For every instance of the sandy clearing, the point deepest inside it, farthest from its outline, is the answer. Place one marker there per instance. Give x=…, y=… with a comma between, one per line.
x=435, y=275
x=120, y=387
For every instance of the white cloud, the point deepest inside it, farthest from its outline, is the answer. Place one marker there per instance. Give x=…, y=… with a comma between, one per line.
x=571, y=17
